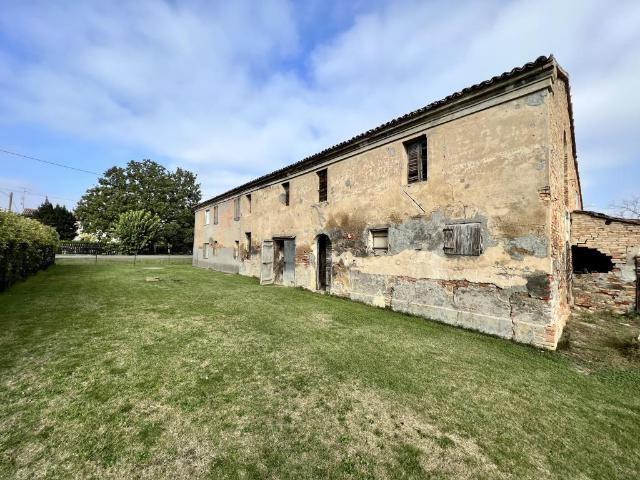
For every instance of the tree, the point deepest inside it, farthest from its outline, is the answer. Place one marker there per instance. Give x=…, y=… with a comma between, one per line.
x=148, y=186
x=136, y=230
x=629, y=207
x=58, y=217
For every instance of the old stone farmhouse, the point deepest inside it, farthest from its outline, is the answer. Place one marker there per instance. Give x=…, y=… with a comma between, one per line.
x=459, y=211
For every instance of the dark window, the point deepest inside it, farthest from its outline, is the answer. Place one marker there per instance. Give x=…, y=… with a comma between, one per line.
x=416, y=159
x=322, y=185
x=215, y=215
x=286, y=193
x=249, y=202
x=236, y=208
x=248, y=238
x=380, y=241
x=590, y=260
x=463, y=239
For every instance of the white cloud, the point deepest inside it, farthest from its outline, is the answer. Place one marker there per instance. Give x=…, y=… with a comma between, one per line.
x=234, y=91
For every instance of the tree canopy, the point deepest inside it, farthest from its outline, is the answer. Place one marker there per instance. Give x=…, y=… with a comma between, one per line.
x=148, y=186
x=58, y=217
x=136, y=230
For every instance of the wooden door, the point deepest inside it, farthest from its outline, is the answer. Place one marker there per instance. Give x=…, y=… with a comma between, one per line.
x=266, y=266
x=289, y=271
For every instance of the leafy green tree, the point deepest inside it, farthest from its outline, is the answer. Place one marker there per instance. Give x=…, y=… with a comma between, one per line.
x=58, y=217
x=148, y=186
x=136, y=230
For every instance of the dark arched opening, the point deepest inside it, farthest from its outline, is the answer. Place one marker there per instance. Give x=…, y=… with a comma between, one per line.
x=324, y=263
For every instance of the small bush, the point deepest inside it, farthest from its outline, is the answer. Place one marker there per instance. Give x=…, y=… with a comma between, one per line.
x=26, y=246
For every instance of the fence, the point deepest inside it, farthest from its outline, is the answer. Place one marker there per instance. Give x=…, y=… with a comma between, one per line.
x=105, y=248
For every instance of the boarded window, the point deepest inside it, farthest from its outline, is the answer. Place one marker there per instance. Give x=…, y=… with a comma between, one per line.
x=322, y=185
x=248, y=238
x=205, y=250
x=285, y=186
x=416, y=159
x=463, y=239
x=207, y=216
x=215, y=215
x=380, y=241
x=249, y=203
x=236, y=208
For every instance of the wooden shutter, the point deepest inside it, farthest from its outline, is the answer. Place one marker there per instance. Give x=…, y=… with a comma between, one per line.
x=266, y=263
x=322, y=185
x=463, y=239
x=416, y=160
x=215, y=215
x=236, y=208
x=413, y=164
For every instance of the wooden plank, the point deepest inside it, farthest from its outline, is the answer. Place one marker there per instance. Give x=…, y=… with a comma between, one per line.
x=266, y=266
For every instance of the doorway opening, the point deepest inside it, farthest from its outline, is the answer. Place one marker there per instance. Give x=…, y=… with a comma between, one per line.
x=284, y=256
x=324, y=263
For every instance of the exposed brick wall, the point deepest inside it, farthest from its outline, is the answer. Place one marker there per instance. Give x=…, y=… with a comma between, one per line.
x=618, y=239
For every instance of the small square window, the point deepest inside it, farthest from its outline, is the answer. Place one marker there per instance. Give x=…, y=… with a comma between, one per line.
x=380, y=241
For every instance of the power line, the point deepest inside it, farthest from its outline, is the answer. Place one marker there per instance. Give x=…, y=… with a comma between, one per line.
x=7, y=188
x=8, y=152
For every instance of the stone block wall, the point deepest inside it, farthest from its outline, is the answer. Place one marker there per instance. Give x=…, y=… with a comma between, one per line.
x=619, y=240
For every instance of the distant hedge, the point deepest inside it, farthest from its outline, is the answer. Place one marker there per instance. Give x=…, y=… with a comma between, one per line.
x=26, y=246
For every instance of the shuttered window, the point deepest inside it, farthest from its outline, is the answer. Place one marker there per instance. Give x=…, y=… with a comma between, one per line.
x=236, y=208
x=416, y=160
x=207, y=216
x=463, y=239
x=380, y=240
x=322, y=185
x=215, y=215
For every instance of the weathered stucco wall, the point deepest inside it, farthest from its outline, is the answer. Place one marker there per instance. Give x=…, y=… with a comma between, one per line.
x=489, y=164
x=564, y=197
x=620, y=241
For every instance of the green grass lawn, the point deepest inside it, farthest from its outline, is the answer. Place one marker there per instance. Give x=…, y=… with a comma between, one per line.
x=106, y=375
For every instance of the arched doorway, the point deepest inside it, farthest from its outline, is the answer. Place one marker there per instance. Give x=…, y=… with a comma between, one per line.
x=324, y=263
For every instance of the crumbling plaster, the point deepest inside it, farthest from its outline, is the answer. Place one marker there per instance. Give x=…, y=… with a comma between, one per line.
x=490, y=165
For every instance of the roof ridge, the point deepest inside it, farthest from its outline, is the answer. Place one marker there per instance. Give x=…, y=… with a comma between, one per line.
x=538, y=62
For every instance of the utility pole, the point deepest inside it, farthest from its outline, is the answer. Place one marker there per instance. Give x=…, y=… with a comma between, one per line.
x=10, y=200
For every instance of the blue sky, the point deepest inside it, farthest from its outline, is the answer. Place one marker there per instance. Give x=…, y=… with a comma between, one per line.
x=232, y=90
